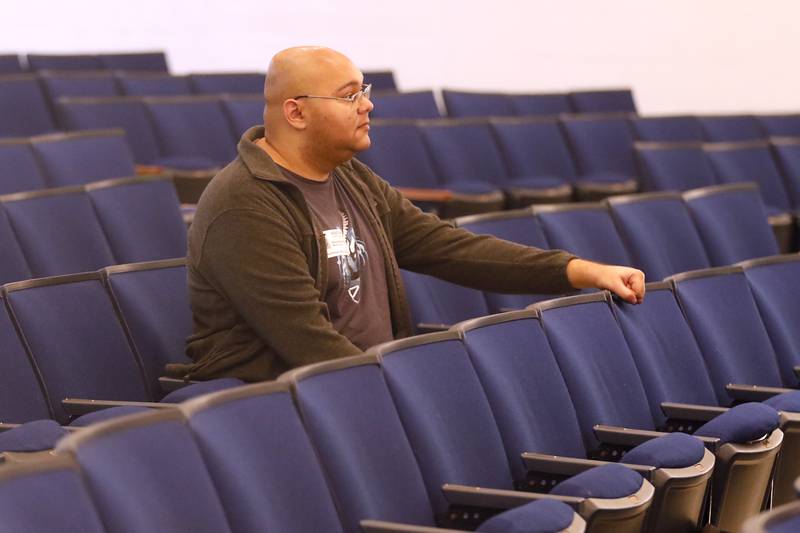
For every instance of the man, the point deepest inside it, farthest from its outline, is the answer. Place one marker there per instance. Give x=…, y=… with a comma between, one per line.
x=295, y=251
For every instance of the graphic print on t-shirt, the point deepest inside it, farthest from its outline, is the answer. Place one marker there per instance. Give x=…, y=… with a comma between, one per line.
x=350, y=253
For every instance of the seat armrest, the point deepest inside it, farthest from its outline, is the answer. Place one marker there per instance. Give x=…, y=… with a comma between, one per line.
x=427, y=327
x=633, y=437
x=379, y=526
x=797, y=372
x=498, y=498
x=79, y=406
x=569, y=466
x=692, y=412
x=753, y=393
x=148, y=170
x=172, y=384
x=426, y=195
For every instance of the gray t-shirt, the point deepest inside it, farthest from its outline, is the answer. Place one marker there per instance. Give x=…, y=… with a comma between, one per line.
x=356, y=292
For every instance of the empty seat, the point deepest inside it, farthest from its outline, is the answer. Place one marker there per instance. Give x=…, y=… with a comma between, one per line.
x=472, y=104
x=381, y=80
x=141, y=218
x=603, y=101
x=243, y=112
x=20, y=169
x=76, y=84
x=540, y=104
x=731, y=128
x=787, y=155
x=64, y=62
x=9, y=64
x=153, y=84
x=82, y=157
x=14, y=266
x=437, y=304
x=674, y=166
x=138, y=61
x=233, y=82
x=668, y=129
x=23, y=107
x=602, y=147
x=411, y=105
x=780, y=125
x=584, y=229
x=732, y=222
x=782, y=519
x=658, y=231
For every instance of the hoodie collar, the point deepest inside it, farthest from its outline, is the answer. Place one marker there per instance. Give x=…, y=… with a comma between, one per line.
x=257, y=161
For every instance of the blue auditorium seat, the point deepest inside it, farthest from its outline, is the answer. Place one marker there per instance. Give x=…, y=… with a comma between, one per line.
x=233, y=82
x=674, y=166
x=673, y=128
x=153, y=84
x=135, y=61
x=658, y=231
x=782, y=519
x=603, y=101
x=405, y=105
x=14, y=266
x=732, y=222
x=77, y=158
x=540, y=104
x=64, y=62
x=787, y=155
x=585, y=229
x=140, y=217
x=437, y=304
x=731, y=128
x=77, y=84
x=21, y=170
x=243, y=111
x=780, y=125
x=381, y=80
x=24, y=110
x=9, y=64
x=461, y=104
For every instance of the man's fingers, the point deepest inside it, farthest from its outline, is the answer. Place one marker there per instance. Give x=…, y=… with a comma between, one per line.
x=636, y=284
x=621, y=289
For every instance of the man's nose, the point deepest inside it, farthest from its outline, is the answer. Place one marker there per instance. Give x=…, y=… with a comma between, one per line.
x=365, y=105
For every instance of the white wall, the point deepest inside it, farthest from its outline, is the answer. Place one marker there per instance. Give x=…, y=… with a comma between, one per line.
x=678, y=55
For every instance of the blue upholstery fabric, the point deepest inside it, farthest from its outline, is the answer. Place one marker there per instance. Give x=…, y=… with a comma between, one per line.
x=107, y=414
x=674, y=450
x=160, y=463
x=239, y=83
x=54, y=499
x=741, y=424
x=14, y=266
x=187, y=162
x=544, y=516
x=780, y=125
x=467, y=104
x=357, y=432
x=730, y=128
x=607, y=481
x=142, y=220
x=381, y=80
x=540, y=104
x=723, y=315
x=789, y=524
x=33, y=436
x=263, y=465
x=21, y=171
x=398, y=155
x=588, y=232
x=80, y=85
x=601, y=145
x=63, y=62
x=417, y=104
x=447, y=418
x=660, y=236
x=23, y=108
x=788, y=401
x=668, y=129
x=77, y=343
x=198, y=389
x=526, y=391
x=777, y=294
x=138, y=61
x=733, y=226
x=435, y=301
x=79, y=159
x=139, y=84
x=677, y=168
x=534, y=148
x=751, y=163
x=787, y=155
x=603, y=101
x=9, y=64
x=59, y=233
x=243, y=112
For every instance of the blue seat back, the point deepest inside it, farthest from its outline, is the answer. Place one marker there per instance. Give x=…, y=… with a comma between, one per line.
x=153, y=300
x=674, y=166
x=64, y=62
x=468, y=104
x=238, y=83
x=411, y=105
x=731, y=128
x=136, y=61
x=146, y=473
x=76, y=339
x=82, y=157
x=787, y=155
x=381, y=80
x=398, y=154
x=21, y=171
x=141, y=218
x=773, y=282
x=58, y=231
x=153, y=84
x=9, y=64
x=601, y=144
x=666, y=353
x=735, y=163
x=435, y=301
x=780, y=125
x=23, y=107
x=540, y=104
x=534, y=148
x=65, y=84
x=523, y=383
x=356, y=430
x=722, y=313
x=243, y=112
x=658, y=231
x=668, y=129
x=47, y=495
x=585, y=229
x=603, y=101
x=14, y=266
x=260, y=458
x=597, y=365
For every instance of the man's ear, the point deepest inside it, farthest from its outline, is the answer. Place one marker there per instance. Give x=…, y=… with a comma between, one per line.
x=293, y=111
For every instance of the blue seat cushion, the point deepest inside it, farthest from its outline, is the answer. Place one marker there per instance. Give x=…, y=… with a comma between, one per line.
x=604, y=177
x=607, y=481
x=538, y=182
x=788, y=401
x=106, y=414
x=203, y=387
x=543, y=516
x=743, y=423
x=676, y=450
x=471, y=187
x=187, y=162
x=34, y=436
x=789, y=524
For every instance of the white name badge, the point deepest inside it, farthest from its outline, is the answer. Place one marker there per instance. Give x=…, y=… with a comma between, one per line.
x=336, y=243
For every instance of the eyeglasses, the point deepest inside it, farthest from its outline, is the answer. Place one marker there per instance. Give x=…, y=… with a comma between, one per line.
x=365, y=91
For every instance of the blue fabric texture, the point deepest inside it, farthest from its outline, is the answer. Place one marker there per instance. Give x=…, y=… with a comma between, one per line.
x=196, y=389
x=106, y=414
x=743, y=423
x=676, y=450
x=31, y=437
x=607, y=481
x=543, y=516
x=788, y=401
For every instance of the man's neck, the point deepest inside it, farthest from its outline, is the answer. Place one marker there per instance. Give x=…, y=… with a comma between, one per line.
x=295, y=161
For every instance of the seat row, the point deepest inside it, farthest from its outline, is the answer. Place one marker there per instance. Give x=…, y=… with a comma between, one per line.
x=138, y=61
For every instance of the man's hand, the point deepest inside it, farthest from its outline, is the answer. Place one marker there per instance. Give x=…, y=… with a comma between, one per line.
x=625, y=282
